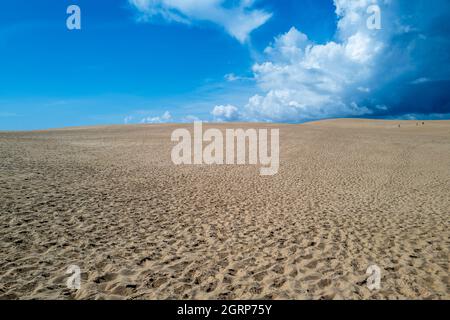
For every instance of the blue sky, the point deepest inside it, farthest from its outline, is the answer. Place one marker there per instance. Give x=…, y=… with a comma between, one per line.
x=154, y=61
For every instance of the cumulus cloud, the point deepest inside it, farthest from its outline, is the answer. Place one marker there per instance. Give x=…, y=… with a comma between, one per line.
x=166, y=117
x=225, y=113
x=238, y=18
x=190, y=119
x=401, y=69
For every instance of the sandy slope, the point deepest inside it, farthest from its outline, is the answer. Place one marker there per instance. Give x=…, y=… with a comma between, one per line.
x=350, y=193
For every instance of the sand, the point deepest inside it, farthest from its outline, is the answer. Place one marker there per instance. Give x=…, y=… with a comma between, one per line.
x=349, y=194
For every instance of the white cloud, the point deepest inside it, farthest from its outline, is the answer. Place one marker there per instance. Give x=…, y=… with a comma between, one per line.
x=225, y=113
x=239, y=20
x=306, y=81
x=166, y=117
x=128, y=119
x=420, y=80
x=303, y=80
x=231, y=77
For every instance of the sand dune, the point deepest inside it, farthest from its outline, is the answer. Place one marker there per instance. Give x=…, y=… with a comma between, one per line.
x=349, y=193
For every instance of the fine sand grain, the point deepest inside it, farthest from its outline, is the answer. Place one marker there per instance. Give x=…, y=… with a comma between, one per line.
x=349, y=194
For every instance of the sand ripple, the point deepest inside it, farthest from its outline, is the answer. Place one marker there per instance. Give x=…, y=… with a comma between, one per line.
x=349, y=194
